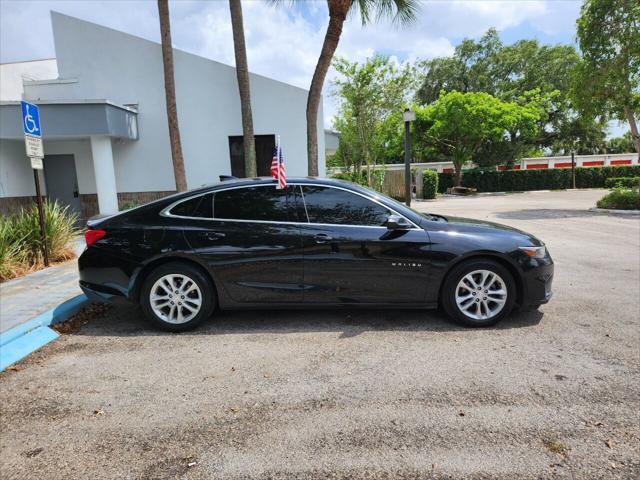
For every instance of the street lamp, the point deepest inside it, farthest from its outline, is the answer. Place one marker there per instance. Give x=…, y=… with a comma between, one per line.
x=573, y=169
x=407, y=116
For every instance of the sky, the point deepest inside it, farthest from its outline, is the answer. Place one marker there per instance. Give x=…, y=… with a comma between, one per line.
x=283, y=42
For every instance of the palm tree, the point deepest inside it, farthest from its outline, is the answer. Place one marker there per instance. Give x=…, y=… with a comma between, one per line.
x=399, y=11
x=170, y=94
x=242, y=71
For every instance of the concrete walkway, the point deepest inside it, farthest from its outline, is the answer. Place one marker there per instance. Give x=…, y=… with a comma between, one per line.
x=23, y=298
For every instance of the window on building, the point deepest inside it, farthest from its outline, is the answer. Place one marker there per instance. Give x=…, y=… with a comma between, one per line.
x=264, y=154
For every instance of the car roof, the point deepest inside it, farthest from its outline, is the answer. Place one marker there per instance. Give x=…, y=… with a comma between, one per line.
x=266, y=181
x=240, y=182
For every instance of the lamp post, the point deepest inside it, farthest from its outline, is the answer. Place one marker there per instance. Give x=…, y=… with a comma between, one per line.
x=408, y=116
x=573, y=169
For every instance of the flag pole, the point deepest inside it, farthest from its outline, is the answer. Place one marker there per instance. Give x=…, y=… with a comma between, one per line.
x=278, y=162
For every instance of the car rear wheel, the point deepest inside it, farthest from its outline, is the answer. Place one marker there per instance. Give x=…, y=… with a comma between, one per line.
x=479, y=293
x=177, y=297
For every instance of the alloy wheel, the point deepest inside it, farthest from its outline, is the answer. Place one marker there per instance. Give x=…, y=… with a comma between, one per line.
x=175, y=298
x=481, y=294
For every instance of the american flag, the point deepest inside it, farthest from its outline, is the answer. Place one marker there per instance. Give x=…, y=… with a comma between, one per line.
x=277, y=167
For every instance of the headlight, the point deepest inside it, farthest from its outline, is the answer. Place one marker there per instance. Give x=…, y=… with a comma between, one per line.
x=534, y=252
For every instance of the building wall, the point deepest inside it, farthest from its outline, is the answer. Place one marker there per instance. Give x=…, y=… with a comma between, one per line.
x=16, y=175
x=98, y=62
x=13, y=74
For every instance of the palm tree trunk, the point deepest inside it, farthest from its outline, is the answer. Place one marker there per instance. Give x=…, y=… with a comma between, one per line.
x=242, y=71
x=338, y=10
x=170, y=93
x=635, y=137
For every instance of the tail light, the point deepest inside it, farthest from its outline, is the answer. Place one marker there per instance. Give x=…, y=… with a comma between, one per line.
x=92, y=236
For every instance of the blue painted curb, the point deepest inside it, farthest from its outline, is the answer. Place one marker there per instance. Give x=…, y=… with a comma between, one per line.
x=20, y=341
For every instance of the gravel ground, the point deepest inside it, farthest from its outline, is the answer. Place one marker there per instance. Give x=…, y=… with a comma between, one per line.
x=356, y=394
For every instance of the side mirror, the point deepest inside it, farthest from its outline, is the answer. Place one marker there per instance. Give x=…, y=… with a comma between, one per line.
x=396, y=222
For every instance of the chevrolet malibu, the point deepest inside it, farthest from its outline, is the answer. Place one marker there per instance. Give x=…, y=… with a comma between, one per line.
x=244, y=243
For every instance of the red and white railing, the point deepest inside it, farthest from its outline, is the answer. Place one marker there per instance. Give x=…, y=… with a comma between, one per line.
x=528, y=163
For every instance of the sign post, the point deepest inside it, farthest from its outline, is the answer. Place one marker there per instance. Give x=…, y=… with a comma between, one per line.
x=35, y=152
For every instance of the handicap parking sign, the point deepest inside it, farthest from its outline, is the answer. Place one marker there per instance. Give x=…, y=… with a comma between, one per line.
x=31, y=119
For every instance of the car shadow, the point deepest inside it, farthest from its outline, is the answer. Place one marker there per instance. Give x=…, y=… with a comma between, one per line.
x=128, y=320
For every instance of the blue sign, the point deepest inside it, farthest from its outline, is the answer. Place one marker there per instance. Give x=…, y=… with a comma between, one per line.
x=31, y=119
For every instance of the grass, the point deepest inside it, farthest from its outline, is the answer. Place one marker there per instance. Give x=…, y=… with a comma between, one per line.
x=20, y=242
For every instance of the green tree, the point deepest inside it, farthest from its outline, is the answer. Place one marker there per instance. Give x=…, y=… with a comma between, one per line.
x=623, y=144
x=509, y=72
x=470, y=69
x=401, y=12
x=460, y=123
x=371, y=96
x=607, y=81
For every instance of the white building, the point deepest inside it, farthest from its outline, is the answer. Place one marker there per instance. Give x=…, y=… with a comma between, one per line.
x=104, y=123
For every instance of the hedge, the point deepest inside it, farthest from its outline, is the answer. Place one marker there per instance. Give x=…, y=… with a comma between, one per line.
x=619, y=199
x=622, y=182
x=542, y=179
x=429, y=184
x=445, y=181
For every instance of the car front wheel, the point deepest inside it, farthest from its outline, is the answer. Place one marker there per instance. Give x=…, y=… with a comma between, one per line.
x=479, y=293
x=177, y=297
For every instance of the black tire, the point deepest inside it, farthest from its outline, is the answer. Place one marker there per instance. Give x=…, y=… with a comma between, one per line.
x=207, y=293
x=448, y=299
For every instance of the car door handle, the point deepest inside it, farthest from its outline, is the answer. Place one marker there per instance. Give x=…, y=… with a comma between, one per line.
x=322, y=238
x=214, y=235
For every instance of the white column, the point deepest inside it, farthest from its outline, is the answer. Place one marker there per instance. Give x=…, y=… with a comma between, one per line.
x=105, y=174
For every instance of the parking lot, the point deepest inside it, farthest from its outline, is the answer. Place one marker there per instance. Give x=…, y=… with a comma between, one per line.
x=356, y=394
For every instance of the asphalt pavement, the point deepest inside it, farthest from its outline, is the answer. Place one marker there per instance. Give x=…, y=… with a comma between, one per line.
x=377, y=394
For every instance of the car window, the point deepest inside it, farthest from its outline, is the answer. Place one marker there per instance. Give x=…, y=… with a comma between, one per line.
x=200, y=207
x=264, y=203
x=340, y=207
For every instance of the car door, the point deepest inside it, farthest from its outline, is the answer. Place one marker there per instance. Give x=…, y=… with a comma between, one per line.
x=350, y=256
x=251, y=243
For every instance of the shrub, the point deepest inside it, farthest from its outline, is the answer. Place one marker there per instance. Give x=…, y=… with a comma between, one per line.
x=622, y=182
x=429, y=183
x=620, y=199
x=12, y=255
x=544, y=179
x=445, y=180
x=20, y=242
x=377, y=177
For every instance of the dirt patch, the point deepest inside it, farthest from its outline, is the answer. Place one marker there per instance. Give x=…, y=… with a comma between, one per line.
x=77, y=321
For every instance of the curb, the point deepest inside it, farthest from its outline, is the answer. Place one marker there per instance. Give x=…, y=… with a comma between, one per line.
x=632, y=213
x=19, y=341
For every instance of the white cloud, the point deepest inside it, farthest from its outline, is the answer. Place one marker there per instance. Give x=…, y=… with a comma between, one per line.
x=283, y=42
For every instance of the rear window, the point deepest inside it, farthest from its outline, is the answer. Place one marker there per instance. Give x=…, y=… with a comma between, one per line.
x=199, y=207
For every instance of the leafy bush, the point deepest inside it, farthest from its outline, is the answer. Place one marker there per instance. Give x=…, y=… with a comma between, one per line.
x=360, y=177
x=622, y=182
x=129, y=205
x=544, y=179
x=429, y=183
x=20, y=243
x=620, y=199
x=11, y=253
x=445, y=180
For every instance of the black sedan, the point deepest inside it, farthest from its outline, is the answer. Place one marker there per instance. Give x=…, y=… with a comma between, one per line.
x=316, y=243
